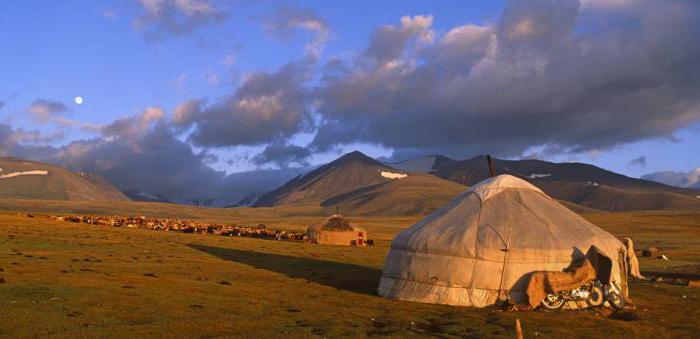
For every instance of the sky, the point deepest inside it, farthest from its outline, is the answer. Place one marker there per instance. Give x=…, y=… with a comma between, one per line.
x=188, y=97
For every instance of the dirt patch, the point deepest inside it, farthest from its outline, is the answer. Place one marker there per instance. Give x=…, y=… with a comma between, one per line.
x=625, y=316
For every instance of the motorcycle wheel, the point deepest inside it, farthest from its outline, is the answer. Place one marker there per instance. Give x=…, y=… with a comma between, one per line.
x=553, y=302
x=597, y=296
x=616, y=300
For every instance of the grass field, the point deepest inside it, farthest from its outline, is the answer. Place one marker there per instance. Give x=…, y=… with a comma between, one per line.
x=76, y=280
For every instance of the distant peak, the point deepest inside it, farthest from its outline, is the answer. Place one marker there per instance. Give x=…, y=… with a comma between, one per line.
x=480, y=156
x=353, y=156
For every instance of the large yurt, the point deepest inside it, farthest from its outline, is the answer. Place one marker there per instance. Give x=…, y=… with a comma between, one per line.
x=337, y=230
x=482, y=246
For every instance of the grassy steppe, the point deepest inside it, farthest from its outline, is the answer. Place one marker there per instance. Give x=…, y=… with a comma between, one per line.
x=76, y=280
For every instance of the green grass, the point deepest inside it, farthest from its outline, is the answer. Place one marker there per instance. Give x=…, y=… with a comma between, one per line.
x=76, y=280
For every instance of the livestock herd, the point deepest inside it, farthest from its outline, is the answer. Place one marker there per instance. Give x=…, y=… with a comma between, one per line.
x=184, y=226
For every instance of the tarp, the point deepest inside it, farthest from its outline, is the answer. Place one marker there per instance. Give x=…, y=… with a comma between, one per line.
x=595, y=266
x=632, y=261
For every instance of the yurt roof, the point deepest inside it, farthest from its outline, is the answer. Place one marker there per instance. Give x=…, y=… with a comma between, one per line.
x=492, y=186
x=335, y=223
x=489, y=213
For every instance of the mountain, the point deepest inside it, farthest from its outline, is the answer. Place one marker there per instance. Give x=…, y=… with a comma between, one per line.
x=414, y=194
x=347, y=173
x=360, y=185
x=679, y=179
x=247, y=201
x=24, y=179
x=426, y=164
x=578, y=183
x=144, y=196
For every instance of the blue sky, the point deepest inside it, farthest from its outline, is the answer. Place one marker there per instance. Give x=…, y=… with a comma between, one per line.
x=101, y=51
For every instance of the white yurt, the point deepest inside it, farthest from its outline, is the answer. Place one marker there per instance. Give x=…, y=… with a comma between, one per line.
x=481, y=246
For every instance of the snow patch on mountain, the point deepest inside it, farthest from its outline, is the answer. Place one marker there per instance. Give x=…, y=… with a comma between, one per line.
x=18, y=174
x=392, y=175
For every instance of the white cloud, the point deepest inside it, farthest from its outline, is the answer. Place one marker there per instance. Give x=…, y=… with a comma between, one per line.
x=286, y=20
x=176, y=17
x=229, y=60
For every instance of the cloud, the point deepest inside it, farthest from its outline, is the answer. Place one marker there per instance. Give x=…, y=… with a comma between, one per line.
x=179, y=81
x=187, y=113
x=135, y=126
x=283, y=155
x=142, y=152
x=680, y=179
x=286, y=21
x=607, y=4
x=229, y=60
x=45, y=110
x=25, y=143
x=2, y=104
x=160, y=18
x=268, y=106
x=390, y=42
x=546, y=75
x=641, y=161
x=138, y=152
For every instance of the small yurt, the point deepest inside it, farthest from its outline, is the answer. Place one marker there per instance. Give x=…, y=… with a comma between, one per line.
x=482, y=246
x=336, y=230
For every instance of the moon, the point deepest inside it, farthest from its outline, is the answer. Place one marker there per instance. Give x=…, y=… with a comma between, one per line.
x=78, y=100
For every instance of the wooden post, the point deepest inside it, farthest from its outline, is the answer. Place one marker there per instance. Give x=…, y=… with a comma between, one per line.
x=518, y=329
x=492, y=170
x=505, y=262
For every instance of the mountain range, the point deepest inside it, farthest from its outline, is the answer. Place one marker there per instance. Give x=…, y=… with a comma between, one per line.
x=577, y=183
x=360, y=185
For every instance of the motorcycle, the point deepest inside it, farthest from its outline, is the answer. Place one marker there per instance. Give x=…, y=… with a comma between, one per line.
x=594, y=293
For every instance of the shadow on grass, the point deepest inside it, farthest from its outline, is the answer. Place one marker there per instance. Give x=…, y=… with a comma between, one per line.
x=343, y=276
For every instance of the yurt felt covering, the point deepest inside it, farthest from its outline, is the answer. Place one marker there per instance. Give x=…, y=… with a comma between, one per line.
x=482, y=245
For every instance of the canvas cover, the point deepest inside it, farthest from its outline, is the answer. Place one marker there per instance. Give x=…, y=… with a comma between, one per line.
x=632, y=261
x=483, y=244
x=594, y=266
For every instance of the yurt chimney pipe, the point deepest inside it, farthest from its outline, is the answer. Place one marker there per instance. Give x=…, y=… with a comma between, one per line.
x=492, y=171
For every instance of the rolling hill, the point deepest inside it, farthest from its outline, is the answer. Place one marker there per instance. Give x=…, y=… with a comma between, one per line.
x=24, y=179
x=360, y=185
x=578, y=183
